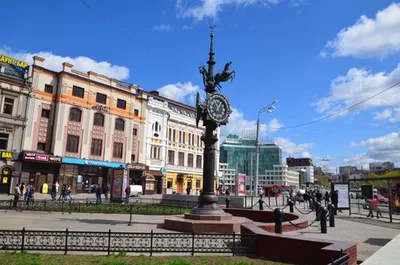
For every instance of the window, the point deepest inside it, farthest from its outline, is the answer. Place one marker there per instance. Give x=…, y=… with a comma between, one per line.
x=174, y=136
x=155, y=152
x=197, y=184
x=169, y=183
x=3, y=141
x=156, y=127
x=121, y=104
x=169, y=134
x=8, y=106
x=78, y=92
x=184, y=138
x=189, y=137
x=45, y=113
x=41, y=146
x=181, y=158
x=136, y=112
x=96, y=147
x=192, y=139
x=171, y=157
x=101, y=98
x=134, y=131
x=119, y=124
x=190, y=160
x=133, y=158
x=198, y=161
x=75, y=114
x=180, y=137
x=48, y=89
x=198, y=141
x=98, y=119
x=118, y=150
x=72, y=143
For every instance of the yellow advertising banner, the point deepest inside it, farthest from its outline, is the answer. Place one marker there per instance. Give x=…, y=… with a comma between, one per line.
x=9, y=60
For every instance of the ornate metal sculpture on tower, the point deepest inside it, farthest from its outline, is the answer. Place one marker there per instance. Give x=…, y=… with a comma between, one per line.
x=214, y=112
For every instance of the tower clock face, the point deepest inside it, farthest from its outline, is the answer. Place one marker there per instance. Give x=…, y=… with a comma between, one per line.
x=218, y=108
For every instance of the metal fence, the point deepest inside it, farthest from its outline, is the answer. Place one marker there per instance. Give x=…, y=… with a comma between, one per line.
x=145, y=243
x=136, y=207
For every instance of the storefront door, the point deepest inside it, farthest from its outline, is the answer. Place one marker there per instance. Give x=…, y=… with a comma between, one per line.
x=5, y=184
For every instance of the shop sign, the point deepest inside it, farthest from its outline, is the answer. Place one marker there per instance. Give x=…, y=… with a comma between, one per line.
x=97, y=163
x=6, y=171
x=100, y=108
x=9, y=60
x=232, y=138
x=163, y=171
x=41, y=158
x=6, y=155
x=138, y=167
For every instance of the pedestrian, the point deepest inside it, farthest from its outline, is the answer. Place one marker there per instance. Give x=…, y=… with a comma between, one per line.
x=374, y=206
x=17, y=193
x=335, y=200
x=57, y=186
x=188, y=190
x=23, y=188
x=318, y=196
x=63, y=192
x=105, y=191
x=26, y=194
x=53, y=192
x=69, y=190
x=127, y=193
x=98, y=194
x=306, y=198
x=327, y=197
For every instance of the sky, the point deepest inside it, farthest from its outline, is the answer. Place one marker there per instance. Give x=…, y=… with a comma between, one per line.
x=325, y=62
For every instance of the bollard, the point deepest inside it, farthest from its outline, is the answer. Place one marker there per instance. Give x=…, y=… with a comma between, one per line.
x=130, y=215
x=278, y=216
x=322, y=218
x=317, y=206
x=227, y=202
x=291, y=208
x=331, y=210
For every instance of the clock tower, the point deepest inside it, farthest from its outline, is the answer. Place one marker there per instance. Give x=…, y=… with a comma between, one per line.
x=214, y=112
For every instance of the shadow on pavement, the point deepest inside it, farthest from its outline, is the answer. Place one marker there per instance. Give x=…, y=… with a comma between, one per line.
x=370, y=221
x=106, y=221
x=377, y=241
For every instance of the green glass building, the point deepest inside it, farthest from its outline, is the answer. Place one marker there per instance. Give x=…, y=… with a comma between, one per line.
x=241, y=155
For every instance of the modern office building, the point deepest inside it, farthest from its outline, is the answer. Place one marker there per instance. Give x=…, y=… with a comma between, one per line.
x=280, y=175
x=227, y=179
x=299, y=164
x=15, y=89
x=240, y=155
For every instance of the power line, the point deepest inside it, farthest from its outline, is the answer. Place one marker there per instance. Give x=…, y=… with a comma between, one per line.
x=342, y=110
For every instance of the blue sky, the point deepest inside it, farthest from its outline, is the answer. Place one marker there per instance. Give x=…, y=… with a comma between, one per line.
x=314, y=57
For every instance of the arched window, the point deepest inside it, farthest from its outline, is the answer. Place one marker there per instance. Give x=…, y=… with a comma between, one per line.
x=75, y=114
x=98, y=119
x=119, y=124
x=156, y=127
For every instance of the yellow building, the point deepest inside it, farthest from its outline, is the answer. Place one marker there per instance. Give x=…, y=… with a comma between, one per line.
x=174, y=146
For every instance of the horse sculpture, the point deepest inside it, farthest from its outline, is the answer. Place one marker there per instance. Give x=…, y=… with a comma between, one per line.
x=203, y=72
x=225, y=75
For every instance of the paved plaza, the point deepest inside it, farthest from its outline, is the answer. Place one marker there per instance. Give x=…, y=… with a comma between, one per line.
x=369, y=234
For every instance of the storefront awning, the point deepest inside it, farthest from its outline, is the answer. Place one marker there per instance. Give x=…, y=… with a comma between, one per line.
x=155, y=173
x=273, y=186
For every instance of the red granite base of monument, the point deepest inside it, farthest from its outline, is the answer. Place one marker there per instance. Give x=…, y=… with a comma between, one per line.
x=205, y=223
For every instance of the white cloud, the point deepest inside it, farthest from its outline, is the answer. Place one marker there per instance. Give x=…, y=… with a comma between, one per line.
x=211, y=8
x=384, y=115
x=162, y=27
x=182, y=92
x=358, y=85
x=293, y=149
x=384, y=148
x=368, y=37
x=81, y=63
x=186, y=27
x=238, y=124
x=298, y=3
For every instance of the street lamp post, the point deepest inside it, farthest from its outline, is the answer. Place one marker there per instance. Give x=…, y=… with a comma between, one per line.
x=268, y=109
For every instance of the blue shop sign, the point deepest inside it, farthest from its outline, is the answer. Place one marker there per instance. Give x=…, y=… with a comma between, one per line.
x=97, y=163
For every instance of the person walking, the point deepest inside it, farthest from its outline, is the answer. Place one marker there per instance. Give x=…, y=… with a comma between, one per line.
x=335, y=200
x=327, y=197
x=63, y=192
x=306, y=198
x=69, y=190
x=105, y=192
x=98, y=194
x=127, y=193
x=17, y=194
x=57, y=186
x=318, y=196
x=53, y=192
x=374, y=206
